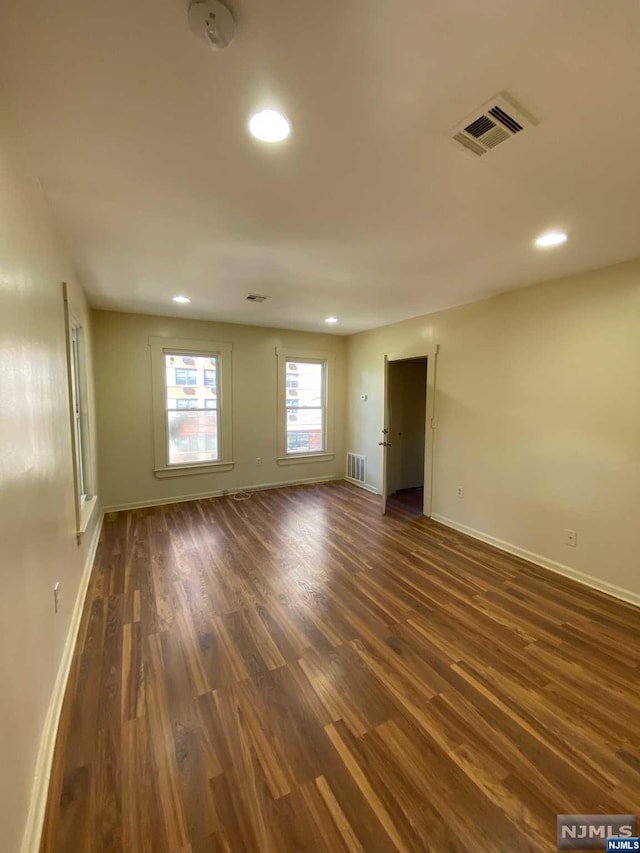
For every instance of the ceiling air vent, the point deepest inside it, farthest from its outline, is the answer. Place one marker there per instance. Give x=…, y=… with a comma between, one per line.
x=254, y=297
x=498, y=120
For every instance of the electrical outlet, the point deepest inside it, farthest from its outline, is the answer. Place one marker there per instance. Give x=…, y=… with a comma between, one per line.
x=258, y=460
x=56, y=596
x=571, y=538
x=460, y=492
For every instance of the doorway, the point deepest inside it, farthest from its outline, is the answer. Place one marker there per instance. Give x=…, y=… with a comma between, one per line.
x=407, y=435
x=407, y=403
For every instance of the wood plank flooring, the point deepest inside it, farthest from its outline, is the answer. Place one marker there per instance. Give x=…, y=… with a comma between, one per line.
x=295, y=673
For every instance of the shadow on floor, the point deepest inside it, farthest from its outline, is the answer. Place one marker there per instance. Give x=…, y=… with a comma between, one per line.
x=409, y=500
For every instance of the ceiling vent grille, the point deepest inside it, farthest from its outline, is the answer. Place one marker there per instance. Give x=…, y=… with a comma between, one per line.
x=497, y=121
x=254, y=297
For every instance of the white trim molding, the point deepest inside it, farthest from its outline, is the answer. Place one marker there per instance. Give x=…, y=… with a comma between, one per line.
x=553, y=566
x=221, y=493
x=360, y=485
x=305, y=457
x=40, y=788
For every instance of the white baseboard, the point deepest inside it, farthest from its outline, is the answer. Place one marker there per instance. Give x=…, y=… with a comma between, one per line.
x=360, y=485
x=553, y=566
x=39, y=792
x=260, y=487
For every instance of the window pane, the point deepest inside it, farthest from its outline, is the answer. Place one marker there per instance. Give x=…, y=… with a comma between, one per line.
x=304, y=438
x=192, y=386
x=305, y=406
x=191, y=403
x=193, y=437
x=307, y=381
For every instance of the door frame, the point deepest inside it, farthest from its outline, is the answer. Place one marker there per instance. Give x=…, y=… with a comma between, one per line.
x=413, y=352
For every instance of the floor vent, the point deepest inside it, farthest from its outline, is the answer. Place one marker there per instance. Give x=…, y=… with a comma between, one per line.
x=497, y=121
x=357, y=467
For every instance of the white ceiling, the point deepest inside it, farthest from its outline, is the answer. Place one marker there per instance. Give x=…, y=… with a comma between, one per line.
x=368, y=211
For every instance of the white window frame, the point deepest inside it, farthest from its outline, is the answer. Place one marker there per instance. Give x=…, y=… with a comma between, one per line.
x=283, y=355
x=185, y=346
x=80, y=422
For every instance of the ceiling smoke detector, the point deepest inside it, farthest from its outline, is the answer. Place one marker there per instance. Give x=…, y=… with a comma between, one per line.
x=254, y=297
x=212, y=22
x=497, y=121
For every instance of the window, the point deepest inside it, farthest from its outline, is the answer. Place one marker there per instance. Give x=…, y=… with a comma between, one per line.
x=192, y=437
x=77, y=412
x=305, y=423
x=306, y=414
x=182, y=376
x=192, y=406
x=85, y=499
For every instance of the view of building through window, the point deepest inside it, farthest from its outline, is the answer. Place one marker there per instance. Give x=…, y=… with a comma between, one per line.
x=305, y=400
x=192, y=407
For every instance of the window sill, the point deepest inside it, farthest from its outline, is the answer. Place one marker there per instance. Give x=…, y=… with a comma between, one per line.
x=305, y=457
x=187, y=470
x=86, y=511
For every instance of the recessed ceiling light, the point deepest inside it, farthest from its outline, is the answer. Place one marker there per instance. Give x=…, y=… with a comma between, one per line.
x=331, y=319
x=551, y=238
x=181, y=299
x=269, y=126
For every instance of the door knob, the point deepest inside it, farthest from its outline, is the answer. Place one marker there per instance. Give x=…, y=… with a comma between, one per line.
x=384, y=444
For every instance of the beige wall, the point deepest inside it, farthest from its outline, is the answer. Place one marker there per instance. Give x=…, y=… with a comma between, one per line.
x=37, y=526
x=123, y=392
x=537, y=416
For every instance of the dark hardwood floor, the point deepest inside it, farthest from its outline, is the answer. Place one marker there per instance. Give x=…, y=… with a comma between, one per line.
x=409, y=500
x=295, y=673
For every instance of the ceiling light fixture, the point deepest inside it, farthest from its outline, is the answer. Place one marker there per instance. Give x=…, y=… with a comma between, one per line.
x=181, y=299
x=331, y=320
x=551, y=238
x=269, y=126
